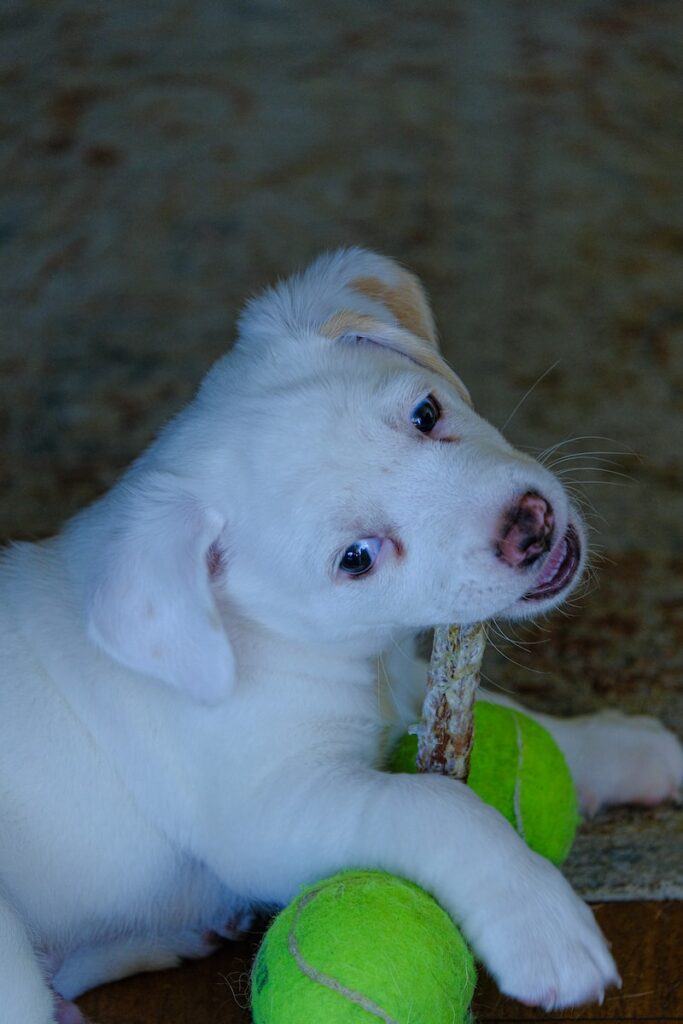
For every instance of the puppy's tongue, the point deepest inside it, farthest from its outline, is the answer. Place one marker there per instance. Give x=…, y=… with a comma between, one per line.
x=559, y=568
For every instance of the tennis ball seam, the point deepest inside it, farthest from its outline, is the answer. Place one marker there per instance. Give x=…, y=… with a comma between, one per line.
x=325, y=979
x=517, y=794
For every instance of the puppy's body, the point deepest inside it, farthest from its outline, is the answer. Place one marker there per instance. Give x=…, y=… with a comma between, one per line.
x=191, y=714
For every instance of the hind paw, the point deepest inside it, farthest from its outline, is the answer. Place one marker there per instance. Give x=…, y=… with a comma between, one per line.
x=67, y=1013
x=624, y=759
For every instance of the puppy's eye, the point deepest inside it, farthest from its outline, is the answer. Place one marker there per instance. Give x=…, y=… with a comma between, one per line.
x=426, y=414
x=360, y=556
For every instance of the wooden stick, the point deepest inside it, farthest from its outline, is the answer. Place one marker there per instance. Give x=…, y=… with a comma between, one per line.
x=446, y=732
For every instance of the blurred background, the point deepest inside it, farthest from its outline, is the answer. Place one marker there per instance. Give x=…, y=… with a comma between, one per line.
x=163, y=160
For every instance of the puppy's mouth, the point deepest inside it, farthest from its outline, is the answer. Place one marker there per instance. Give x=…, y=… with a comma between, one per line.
x=559, y=569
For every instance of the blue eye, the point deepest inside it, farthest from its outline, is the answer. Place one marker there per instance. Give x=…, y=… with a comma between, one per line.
x=426, y=414
x=360, y=556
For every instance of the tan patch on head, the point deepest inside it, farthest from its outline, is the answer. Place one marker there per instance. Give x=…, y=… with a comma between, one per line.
x=431, y=359
x=346, y=321
x=405, y=301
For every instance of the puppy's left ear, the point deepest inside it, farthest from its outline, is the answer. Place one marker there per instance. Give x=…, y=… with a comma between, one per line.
x=149, y=599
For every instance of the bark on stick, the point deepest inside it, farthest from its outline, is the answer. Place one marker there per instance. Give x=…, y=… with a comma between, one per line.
x=446, y=732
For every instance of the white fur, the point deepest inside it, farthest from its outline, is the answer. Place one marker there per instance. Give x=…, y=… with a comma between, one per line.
x=179, y=745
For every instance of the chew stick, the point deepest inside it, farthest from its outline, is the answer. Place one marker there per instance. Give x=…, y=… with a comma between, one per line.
x=446, y=732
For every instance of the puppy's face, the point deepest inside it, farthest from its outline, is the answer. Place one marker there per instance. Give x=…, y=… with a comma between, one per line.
x=373, y=497
x=331, y=483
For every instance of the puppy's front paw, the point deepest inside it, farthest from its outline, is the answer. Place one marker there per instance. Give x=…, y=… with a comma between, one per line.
x=623, y=759
x=541, y=942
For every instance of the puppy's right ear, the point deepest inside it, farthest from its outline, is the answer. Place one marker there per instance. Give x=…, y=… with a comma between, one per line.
x=149, y=600
x=402, y=295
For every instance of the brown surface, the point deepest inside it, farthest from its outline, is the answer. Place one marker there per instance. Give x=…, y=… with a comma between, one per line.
x=647, y=939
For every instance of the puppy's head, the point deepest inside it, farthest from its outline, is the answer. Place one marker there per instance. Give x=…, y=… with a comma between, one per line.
x=336, y=486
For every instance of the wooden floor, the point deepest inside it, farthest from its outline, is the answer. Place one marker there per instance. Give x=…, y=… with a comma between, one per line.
x=647, y=941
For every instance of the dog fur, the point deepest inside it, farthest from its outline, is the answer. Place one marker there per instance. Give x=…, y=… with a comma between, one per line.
x=191, y=716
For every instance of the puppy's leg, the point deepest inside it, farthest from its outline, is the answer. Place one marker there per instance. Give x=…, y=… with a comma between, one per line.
x=24, y=993
x=91, y=966
x=309, y=820
x=614, y=758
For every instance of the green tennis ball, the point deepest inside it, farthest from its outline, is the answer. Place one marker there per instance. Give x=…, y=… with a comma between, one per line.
x=517, y=767
x=362, y=947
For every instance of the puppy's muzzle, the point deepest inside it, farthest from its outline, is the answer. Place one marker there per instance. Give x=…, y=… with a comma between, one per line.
x=526, y=531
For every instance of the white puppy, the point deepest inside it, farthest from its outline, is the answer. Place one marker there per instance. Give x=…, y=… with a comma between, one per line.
x=190, y=722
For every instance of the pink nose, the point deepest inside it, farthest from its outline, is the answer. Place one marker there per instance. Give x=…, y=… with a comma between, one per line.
x=527, y=531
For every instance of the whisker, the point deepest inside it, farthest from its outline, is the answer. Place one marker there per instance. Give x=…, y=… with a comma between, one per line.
x=577, y=456
x=586, y=591
x=588, y=437
x=595, y=451
x=513, y=643
x=524, y=397
x=498, y=686
x=527, y=668
x=600, y=556
x=545, y=453
x=396, y=644
x=582, y=500
x=381, y=671
x=514, y=626
x=595, y=469
x=522, y=644
x=608, y=483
